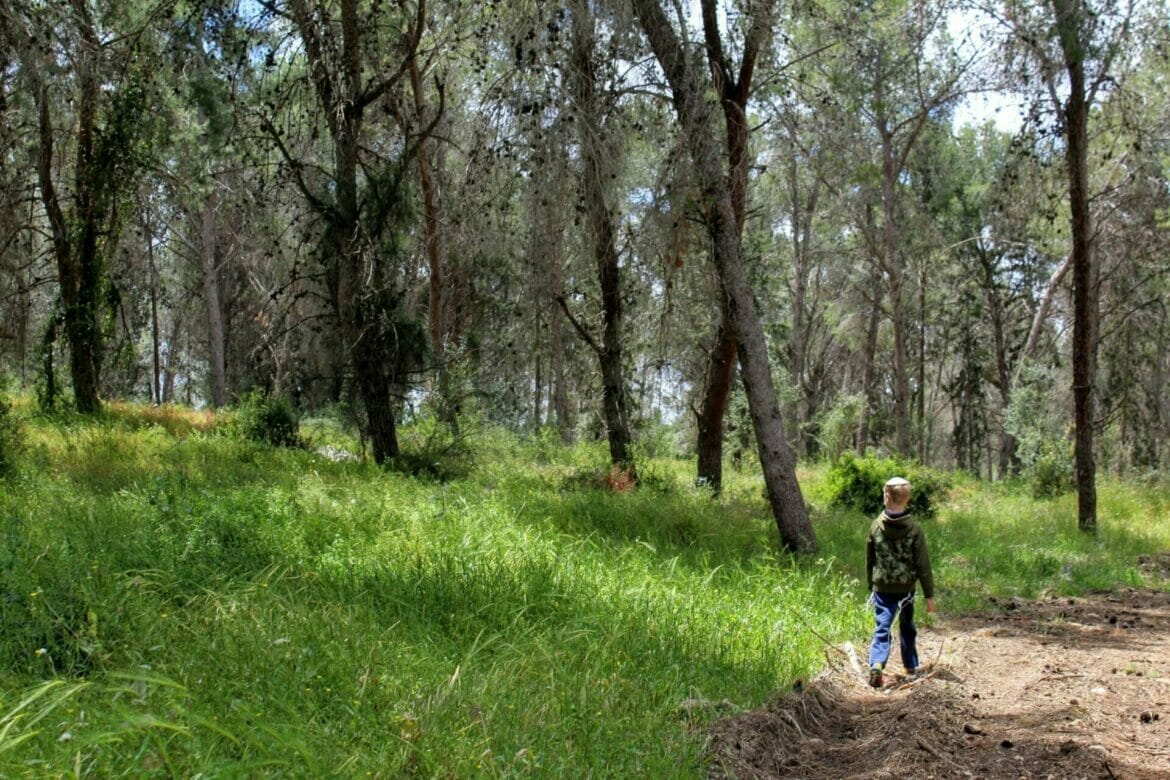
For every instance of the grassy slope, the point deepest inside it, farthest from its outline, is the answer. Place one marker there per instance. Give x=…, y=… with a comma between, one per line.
x=192, y=603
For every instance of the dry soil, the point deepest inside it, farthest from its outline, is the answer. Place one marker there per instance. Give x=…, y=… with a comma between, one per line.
x=1054, y=688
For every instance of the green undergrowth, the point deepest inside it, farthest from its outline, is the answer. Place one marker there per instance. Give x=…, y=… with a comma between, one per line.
x=996, y=540
x=179, y=601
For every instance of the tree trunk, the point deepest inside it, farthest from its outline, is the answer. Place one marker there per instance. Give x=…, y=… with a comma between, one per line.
x=892, y=262
x=560, y=387
x=209, y=257
x=734, y=90
x=720, y=373
x=366, y=309
x=537, y=394
x=436, y=255
x=604, y=234
x=802, y=218
x=155, y=338
x=869, y=362
x=75, y=248
x=1085, y=315
x=779, y=466
x=1007, y=461
x=920, y=370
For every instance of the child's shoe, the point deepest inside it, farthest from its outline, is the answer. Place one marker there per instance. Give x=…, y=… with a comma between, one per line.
x=875, y=676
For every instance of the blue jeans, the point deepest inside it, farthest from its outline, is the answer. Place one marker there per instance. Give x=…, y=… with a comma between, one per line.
x=885, y=607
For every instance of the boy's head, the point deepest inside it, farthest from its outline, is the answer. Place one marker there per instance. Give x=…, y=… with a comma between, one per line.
x=896, y=492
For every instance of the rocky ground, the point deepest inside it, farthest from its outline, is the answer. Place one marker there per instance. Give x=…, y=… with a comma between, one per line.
x=1055, y=688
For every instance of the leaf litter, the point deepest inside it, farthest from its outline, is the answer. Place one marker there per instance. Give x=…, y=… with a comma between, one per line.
x=1052, y=688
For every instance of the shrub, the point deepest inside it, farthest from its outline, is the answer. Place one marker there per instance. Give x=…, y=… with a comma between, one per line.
x=268, y=420
x=11, y=438
x=432, y=449
x=837, y=426
x=856, y=482
x=1051, y=473
x=1041, y=431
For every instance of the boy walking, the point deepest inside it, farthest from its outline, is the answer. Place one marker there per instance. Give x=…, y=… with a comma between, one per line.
x=896, y=560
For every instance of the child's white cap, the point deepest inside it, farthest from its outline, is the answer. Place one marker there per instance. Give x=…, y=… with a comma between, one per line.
x=897, y=482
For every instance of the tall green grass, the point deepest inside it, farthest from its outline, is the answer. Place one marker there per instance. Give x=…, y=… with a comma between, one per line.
x=175, y=601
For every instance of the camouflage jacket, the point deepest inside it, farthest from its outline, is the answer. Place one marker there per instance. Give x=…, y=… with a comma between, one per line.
x=896, y=558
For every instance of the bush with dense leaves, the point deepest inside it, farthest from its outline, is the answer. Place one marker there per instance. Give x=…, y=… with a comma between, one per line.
x=856, y=482
x=268, y=420
x=11, y=438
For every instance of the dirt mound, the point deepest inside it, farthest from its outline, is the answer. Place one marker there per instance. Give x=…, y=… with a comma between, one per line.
x=1060, y=688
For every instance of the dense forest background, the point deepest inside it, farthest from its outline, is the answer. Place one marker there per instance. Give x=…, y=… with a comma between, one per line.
x=936, y=229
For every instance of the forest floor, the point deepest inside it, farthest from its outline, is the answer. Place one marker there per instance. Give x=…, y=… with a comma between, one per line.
x=1054, y=688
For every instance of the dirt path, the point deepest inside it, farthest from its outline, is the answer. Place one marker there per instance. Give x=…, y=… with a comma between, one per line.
x=1058, y=688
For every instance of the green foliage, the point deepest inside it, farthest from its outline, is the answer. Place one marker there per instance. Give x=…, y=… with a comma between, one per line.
x=856, y=482
x=11, y=438
x=837, y=426
x=436, y=450
x=162, y=593
x=1041, y=431
x=268, y=419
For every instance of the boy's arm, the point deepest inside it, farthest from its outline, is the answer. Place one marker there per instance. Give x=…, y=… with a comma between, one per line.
x=923, y=569
x=869, y=561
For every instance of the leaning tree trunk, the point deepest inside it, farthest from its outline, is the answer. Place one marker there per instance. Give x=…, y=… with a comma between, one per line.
x=734, y=90
x=776, y=459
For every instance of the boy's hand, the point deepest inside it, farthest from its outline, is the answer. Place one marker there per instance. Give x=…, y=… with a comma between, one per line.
x=930, y=605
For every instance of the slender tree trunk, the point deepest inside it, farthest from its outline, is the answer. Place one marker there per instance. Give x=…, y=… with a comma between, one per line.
x=560, y=387
x=868, y=362
x=538, y=394
x=802, y=217
x=892, y=262
x=436, y=254
x=720, y=373
x=604, y=235
x=210, y=259
x=920, y=367
x=776, y=459
x=171, y=367
x=1085, y=313
x=155, y=340
x=1007, y=461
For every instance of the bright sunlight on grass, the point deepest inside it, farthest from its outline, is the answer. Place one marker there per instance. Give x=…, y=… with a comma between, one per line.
x=178, y=601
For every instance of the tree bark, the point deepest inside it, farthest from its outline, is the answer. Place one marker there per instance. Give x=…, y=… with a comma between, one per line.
x=802, y=218
x=868, y=362
x=209, y=261
x=720, y=373
x=1007, y=462
x=560, y=387
x=892, y=262
x=155, y=336
x=1085, y=313
x=604, y=234
x=75, y=247
x=366, y=311
x=436, y=249
x=776, y=459
x=734, y=90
